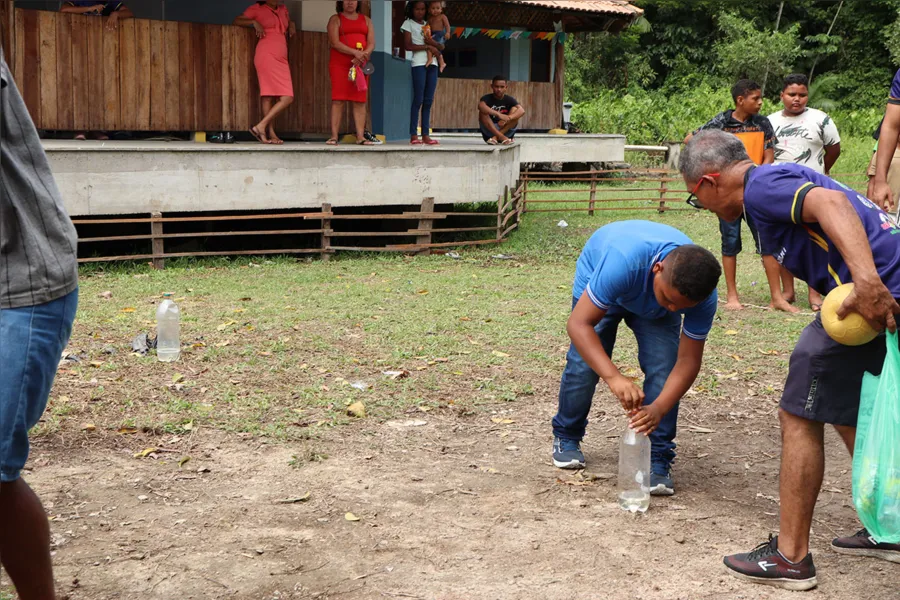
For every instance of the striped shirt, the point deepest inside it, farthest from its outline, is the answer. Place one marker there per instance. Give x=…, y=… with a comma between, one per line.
x=38, y=243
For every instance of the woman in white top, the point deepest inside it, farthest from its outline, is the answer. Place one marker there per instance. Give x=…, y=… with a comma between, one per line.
x=424, y=78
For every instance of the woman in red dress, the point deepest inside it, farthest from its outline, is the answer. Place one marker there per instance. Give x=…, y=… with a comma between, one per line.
x=271, y=21
x=352, y=40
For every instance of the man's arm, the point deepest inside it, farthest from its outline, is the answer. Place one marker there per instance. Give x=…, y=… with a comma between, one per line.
x=870, y=298
x=580, y=328
x=517, y=112
x=80, y=10
x=879, y=190
x=768, y=156
x=831, y=155
x=680, y=380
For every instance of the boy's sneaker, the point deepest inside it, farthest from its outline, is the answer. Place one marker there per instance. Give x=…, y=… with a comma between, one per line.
x=661, y=483
x=767, y=566
x=862, y=544
x=369, y=136
x=567, y=454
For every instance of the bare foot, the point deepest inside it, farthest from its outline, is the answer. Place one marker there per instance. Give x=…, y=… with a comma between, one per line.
x=734, y=304
x=790, y=298
x=442, y=65
x=783, y=305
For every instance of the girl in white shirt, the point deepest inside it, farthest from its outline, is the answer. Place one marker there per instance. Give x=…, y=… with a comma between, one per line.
x=424, y=77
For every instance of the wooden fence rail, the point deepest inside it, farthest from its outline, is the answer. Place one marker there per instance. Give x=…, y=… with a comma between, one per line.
x=619, y=189
x=318, y=240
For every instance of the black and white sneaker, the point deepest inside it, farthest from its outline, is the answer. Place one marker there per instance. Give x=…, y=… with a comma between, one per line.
x=370, y=137
x=863, y=544
x=765, y=565
x=567, y=454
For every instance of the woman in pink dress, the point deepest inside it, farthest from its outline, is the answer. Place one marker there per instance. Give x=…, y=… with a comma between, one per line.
x=271, y=21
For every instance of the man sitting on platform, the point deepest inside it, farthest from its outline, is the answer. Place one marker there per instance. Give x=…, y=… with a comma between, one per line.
x=499, y=114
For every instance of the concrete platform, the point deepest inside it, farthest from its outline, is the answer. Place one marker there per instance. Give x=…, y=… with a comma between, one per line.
x=545, y=147
x=113, y=178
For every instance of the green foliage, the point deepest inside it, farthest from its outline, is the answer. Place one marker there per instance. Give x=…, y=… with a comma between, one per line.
x=654, y=117
x=747, y=51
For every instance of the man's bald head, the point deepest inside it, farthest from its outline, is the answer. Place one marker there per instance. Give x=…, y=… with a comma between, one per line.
x=710, y=151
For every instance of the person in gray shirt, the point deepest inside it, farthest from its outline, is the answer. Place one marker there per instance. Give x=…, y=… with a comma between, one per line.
x=38, y=300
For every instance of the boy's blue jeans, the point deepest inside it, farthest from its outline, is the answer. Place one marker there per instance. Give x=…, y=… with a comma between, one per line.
x=657, y=341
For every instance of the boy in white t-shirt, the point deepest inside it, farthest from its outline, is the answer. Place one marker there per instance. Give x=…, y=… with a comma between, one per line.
x=805, y=136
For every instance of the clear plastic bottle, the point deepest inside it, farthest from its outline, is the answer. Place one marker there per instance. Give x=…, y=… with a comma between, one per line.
x=168, y=330
x=634, y=472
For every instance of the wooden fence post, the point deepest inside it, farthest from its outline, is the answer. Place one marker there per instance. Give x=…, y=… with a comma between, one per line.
x=593, y=194
x=425, y=225
x=158, y=243
x=663, y=188
x=525, y=192
x=501, y=209
x=326, y=233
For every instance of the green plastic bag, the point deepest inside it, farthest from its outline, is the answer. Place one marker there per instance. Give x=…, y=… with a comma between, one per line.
x=876, y=456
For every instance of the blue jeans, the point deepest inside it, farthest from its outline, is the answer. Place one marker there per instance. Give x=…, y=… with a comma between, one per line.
x=32, y=340
x=424, y=81
x=657, y=341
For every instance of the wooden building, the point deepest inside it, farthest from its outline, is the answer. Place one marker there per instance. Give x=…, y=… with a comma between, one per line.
x=184, y=69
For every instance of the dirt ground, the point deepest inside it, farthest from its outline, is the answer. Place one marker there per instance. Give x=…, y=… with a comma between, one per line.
x=450, y=506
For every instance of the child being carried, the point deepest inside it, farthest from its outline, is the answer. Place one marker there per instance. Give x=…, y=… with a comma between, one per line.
x=437, y=29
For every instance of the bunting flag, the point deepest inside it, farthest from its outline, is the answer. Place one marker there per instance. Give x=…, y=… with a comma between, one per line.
x=509, y=34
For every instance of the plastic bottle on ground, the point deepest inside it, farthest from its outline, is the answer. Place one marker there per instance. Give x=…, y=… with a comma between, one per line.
x=168, y=330
x=634, y=472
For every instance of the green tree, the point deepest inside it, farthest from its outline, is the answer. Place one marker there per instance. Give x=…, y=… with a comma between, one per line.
x=748, y=51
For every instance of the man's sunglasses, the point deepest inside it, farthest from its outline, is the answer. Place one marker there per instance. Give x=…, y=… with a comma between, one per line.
x=692, y=199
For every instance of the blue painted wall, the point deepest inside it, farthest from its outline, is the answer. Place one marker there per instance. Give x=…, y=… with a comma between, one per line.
x=391, y=96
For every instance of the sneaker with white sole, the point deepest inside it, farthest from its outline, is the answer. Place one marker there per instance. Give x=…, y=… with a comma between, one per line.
x=863, y=544
x=567, y=453
x=661, y=483
x=767, y=566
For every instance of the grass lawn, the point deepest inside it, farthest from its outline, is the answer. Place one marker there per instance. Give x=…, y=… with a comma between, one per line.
x=274, y=347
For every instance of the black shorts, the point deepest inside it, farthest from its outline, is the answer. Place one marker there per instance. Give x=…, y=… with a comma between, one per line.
x=825, y=377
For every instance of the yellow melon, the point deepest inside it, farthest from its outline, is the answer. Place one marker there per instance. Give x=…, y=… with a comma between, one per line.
x=852, y=330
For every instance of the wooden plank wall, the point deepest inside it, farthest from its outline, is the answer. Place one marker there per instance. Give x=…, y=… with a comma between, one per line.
x=7, y=23
x=156, y=75
x=456, y=103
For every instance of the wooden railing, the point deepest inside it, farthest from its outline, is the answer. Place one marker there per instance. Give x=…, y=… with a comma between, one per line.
x=154, y=75
x=456, y=103
x=158, y=237
x=660, y=190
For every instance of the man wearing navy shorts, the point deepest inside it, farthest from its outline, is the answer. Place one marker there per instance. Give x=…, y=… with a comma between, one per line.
x=825, y=234
x=38, y=298
x=648, y=275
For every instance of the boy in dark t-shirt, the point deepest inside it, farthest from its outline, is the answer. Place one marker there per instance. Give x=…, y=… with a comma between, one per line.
x=499, y=114
x=758, y=137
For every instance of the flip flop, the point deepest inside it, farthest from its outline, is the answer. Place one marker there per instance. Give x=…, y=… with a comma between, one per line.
x=255, y=133
x=364, y=143
x=331, y=142
x=492, y=142
x=416, y=142
x=432, y=143
x=815, y=307
x=507, y=142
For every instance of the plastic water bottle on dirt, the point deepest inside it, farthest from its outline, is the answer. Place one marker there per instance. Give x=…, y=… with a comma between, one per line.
x=168, y=330
x=634, y=472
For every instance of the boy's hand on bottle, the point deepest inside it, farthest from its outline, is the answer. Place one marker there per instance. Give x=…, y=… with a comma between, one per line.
x=630, y=396
x=646, y=420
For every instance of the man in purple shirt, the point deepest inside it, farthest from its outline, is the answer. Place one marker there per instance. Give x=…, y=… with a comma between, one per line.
x=879, y=190
x=825, y=234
